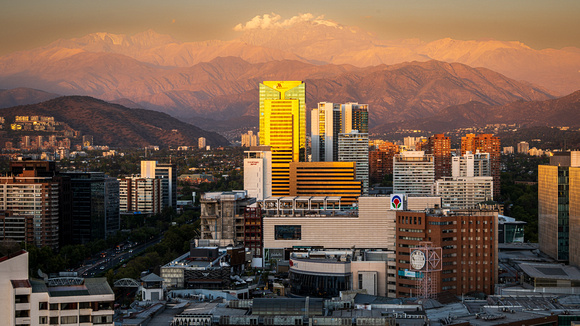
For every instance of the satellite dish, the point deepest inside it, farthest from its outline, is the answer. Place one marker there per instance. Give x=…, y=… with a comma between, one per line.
x=42, y=275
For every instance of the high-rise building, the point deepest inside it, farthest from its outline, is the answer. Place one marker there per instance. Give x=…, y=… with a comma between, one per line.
x=471, y=165
x=140, y=195
x=258, y=172
x=201, y=143
x=413, y=173
x=523, y=147
x=355, y=117
x=95, y=206
x=325, y=126
x=354, y=147
x=440, y=147
x=249, y=139
x=331, y=119
x=167, y=172
x=463, y=192
x=468, y=240
x=283, y=128
x=559, y=207
x=325, y=179
x=381, y=161
x=485, y=143
x=33, y=192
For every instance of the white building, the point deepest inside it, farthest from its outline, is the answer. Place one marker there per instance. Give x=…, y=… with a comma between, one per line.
x=354, y=147
x=471, y=165
x=258, y=172
x=201, y=142
x=57, y=301
x=413, y=173
x=167, y=172
x=523, y=147
x=325, y=126
x=463, y=192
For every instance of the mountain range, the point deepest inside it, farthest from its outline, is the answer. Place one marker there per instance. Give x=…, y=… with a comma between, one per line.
x=113, y=124
x=563, y=111
x=218, y=80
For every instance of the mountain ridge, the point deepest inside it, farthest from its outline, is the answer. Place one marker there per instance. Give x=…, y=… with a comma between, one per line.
x=115, y=125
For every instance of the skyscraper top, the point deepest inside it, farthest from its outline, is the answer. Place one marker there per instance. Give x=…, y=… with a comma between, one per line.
x=282, y=86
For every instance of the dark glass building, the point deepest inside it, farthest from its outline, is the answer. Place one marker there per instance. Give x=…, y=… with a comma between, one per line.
x=95, y=206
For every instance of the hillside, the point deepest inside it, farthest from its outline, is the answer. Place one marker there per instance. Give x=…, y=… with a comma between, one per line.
x=113, y=124
x=563, y=111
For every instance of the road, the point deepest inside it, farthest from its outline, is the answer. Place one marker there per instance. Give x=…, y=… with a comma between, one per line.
x=114, y=258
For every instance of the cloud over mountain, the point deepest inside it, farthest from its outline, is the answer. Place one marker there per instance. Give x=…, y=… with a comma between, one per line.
x=268, y=21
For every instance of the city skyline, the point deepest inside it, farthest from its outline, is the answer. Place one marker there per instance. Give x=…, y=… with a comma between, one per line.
x=538, y=24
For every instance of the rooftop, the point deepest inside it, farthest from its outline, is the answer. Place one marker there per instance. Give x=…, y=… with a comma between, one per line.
x=551, y=271
x=90, y=286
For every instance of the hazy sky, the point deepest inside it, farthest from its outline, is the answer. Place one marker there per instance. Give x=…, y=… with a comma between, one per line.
x=26, y=24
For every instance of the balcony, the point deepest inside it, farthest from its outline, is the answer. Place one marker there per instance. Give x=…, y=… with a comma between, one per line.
x=23, y=321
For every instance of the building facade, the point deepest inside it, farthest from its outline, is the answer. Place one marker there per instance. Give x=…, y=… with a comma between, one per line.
x=331, y=119
x=463, y=192
x=523, y=147
x=167, y=172
x=440, y=147
x=354, y=147
x=381, y=161
x=95, y=206
x=283, y=128
x=201, y=143
x=485, y=143
x=325, y=179
x=32, y=193
x=258, y=172
x=413, y=173
x=559, y=207
x=471, y=165
x=222, y=216
x=140, y=195
x=56, y=301
x=469, y=249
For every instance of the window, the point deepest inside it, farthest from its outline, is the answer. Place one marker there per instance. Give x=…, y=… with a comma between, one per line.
x=21, y=298
x=287, y=232
x=54, y=306
x=42, y=305
x=68, y=319
x=42, y=320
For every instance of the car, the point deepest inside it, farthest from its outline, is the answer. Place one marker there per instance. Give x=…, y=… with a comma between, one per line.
x=102, y=267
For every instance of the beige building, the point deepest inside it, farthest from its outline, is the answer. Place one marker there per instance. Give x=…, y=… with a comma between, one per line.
x=559, y=207
x=56, y=301
x=329, y=227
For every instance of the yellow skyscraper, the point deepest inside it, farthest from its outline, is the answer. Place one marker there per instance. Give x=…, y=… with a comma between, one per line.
x=283, y=128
